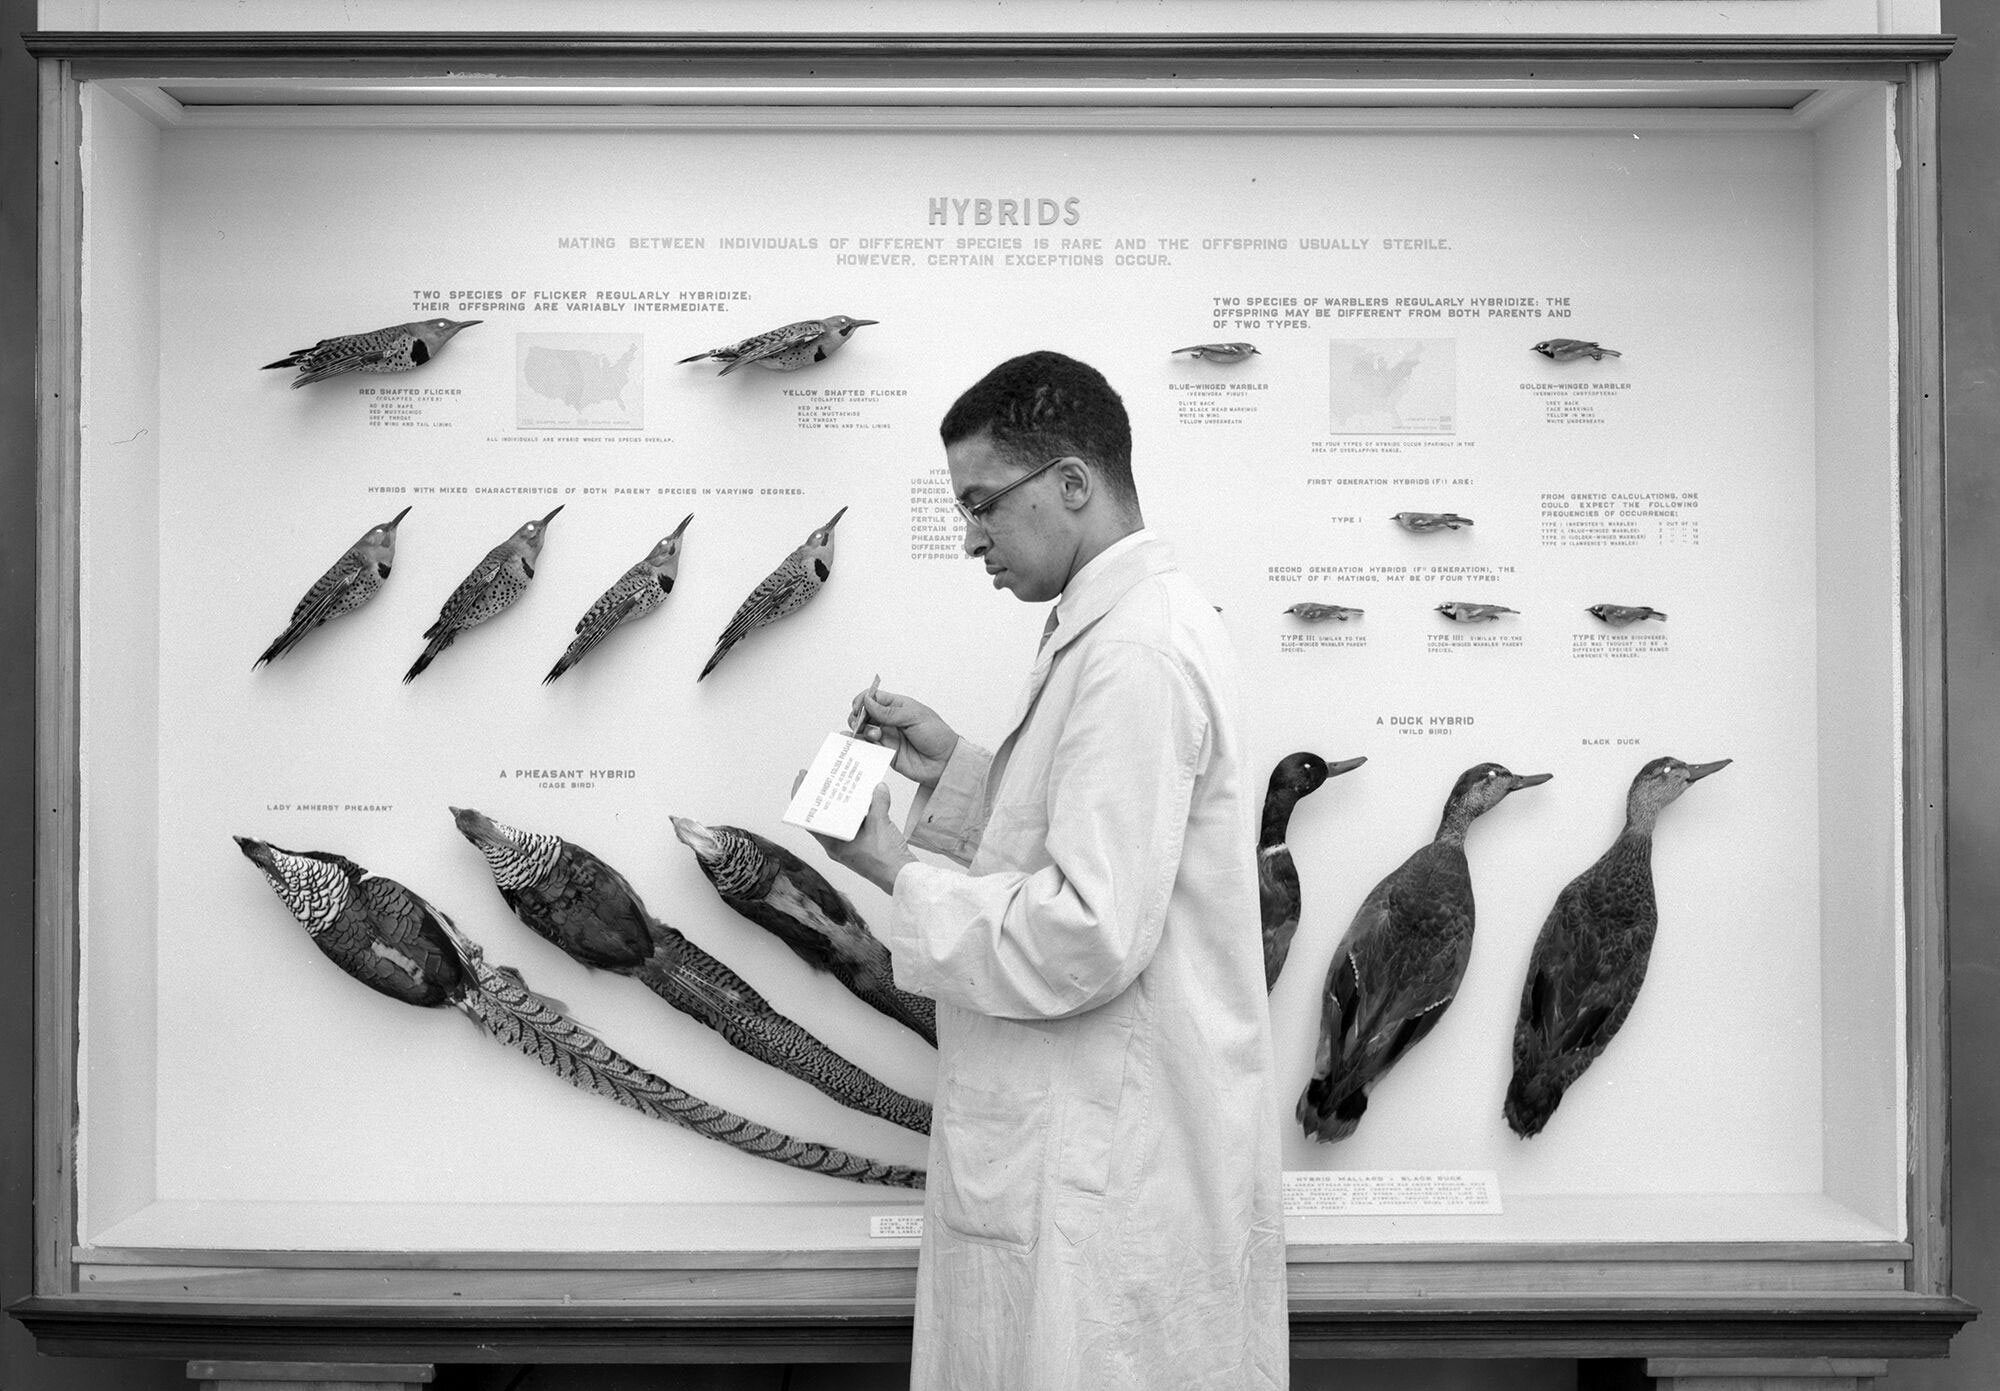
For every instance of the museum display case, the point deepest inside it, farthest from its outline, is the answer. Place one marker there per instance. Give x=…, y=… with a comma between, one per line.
x=1564, y=404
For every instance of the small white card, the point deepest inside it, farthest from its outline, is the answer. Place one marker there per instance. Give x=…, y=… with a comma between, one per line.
x=833, y=797
x=898, y=1227
x=1390, y=1192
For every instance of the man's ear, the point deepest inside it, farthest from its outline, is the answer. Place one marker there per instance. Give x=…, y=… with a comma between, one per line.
x=1079, y=482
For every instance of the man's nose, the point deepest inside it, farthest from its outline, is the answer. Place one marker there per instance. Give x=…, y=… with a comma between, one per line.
x=976, y=540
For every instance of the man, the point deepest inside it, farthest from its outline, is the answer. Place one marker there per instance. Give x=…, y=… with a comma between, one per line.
x=1102, y=1209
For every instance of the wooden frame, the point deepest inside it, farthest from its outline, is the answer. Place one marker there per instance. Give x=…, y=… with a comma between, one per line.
x=1767, y=1301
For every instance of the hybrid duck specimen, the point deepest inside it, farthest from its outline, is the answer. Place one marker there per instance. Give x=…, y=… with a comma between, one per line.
x=1297, y=775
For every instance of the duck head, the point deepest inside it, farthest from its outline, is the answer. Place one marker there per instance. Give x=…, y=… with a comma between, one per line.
x=1483, y=787
x=1663, y=780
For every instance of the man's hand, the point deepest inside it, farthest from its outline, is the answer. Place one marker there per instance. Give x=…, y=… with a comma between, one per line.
x=877, y=851
x=920, y=740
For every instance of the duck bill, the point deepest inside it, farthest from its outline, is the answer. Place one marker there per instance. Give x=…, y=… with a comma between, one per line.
x=1346, y=765
x=1522, y=780
x=1698, y=771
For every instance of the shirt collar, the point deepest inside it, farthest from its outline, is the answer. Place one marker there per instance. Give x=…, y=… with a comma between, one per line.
x=1105, y=578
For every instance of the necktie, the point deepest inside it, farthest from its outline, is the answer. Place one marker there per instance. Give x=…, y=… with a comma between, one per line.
x=1048, y=631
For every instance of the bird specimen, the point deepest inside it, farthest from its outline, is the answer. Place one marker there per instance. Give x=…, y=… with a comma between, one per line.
x=634, y=594
x=1400, y=963
x=1220, y=352
x=1570, y=349
x=398, y=348
x=784, y=895
x=1590, y=958
x=1297, y=775
x=1321, y=613
x=492, y=587
x=789, y=348
x=1421, y=522
x=391, y=940
x=1618, y=615
x=1459, y=612
x=588, y=909
x=785, y=590
x=352, y=581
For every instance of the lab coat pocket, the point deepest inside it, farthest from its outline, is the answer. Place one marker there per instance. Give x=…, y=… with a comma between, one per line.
x=1096, y=1095
x=991, y=1144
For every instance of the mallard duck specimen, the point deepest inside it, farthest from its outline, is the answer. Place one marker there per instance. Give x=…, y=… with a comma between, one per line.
x=1401, y=961
x=391, y=940
x=1590, y=957
x=1297, y=775
x=584, y=906
x=787, y=897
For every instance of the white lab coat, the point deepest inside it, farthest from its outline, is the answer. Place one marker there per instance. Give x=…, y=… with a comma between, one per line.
x=1102, y=1209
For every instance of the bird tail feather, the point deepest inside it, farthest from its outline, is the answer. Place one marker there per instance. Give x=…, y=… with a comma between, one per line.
x=429, y=655
x=721, y=651
x=579, y=647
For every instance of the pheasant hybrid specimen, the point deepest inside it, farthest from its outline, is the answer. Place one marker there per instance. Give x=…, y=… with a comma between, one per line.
x=784, y=895
x=789, y=348
x=587, y=908
x=1590, y=958
x=391, y=940
x=1297, y=775
x=398, y=348
x=636, y=593
x=787, y=589
x=492, y=587
x=352, y=581
x=1401, y=961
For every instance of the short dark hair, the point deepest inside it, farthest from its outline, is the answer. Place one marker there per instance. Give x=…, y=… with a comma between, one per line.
x=1042, y=405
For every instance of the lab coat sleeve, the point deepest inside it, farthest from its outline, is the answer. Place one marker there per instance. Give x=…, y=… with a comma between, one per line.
x=950, y=816
x=1097, y=852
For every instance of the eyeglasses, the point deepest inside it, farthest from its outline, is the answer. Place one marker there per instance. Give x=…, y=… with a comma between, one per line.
x=974, y=512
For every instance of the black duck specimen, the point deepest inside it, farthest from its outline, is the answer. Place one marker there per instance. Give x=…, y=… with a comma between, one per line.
x=784, y=895
x=1297, y=775
x=1401, y=961
x=1590, y=957
x=584, y=906
x=391, y=940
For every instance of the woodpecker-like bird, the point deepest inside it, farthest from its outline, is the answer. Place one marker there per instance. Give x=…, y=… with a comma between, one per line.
x=492, y=587
x=787, y=897
x=1279, y=899
x=581, y=904
x=1618, y=615
x=1220, y=352
x=1570, y=349
x=391, y=940
x=635, y=594
x=1590, y=957
x=1430, y=521
x=785, y=590
x=1400, y=964
x=1322, y=613
x=1473, y=613
x=789, y=348
x=398, y=348
x=352, y=581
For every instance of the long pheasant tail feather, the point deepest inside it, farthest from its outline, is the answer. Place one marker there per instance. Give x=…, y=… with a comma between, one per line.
x=912, y=1011
x=755, y=1029
x=514, y=1015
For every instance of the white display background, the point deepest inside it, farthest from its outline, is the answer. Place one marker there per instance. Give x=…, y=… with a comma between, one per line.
x=295, y=1107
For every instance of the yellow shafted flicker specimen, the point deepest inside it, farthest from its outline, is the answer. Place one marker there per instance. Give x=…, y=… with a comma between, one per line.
x=798, y=578
x=352, y=581
x=397, y=348
x=492, y=587
x=636, y=593
x=789, y=348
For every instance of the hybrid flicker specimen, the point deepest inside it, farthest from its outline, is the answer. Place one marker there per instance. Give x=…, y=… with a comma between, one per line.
x=1279, y=899
x=786, y=589
x=492, y=587
x=789, y=348
x=352, y=581
x=1590, y=958
x=636, y=593
x=581, y=904
x=787, y=897
x=1399, y=966
x=391, y=940
x=398, y=348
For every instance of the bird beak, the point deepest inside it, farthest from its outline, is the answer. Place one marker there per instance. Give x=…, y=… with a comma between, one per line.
x=552, y=516
x=682, y=527
x=465, y=323
x=396, y=520
x=1346, y=765
x=258, y=851
x=693, y=834
x=836, y=520
x=1698, y=771
x=1522, y=780
x=863, y=323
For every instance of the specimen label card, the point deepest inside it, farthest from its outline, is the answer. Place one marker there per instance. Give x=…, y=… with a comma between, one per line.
x=833, y=797
x=896, y=1226
x=1391, y=1192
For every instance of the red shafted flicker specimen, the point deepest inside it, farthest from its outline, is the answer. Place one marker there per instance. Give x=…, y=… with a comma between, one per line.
x=492, y=587
x=352, y=581
x=786, y=349
x=398, y=348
